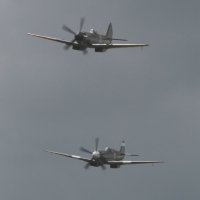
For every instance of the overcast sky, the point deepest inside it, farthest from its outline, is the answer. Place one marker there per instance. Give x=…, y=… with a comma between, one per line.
x=61, y=100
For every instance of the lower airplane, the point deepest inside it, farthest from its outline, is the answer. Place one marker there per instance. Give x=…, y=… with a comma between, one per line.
x=105, y=157
x=83, y=40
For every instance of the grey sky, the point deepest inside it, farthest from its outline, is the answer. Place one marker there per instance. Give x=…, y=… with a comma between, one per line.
x=58, y=100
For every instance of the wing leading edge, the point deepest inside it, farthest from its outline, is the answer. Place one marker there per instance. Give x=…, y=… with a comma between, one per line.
x=54, y=39
x=68, y=155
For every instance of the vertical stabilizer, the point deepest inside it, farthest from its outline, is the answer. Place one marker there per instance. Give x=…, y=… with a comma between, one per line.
x=122, y=149
x=109, y=33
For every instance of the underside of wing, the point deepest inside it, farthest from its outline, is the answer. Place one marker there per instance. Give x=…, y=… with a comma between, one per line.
x=132, y=162
x=110, y=46
x=71, y=156
x=54, y=39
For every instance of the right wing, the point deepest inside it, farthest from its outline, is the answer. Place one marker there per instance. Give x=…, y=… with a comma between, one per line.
x=71, y=156
x=54, y=39
x=110, y=46
x=132, y=162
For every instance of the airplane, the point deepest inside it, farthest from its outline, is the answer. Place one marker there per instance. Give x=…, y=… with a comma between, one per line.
x=104, y=157
x=83, y=40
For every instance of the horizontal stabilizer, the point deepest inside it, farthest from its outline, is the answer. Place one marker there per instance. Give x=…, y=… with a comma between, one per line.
x=116, y=39
x=127, y=154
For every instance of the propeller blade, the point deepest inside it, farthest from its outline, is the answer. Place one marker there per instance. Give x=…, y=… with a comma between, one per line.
x=81, y=23
x=85, y=150
x=103, y=167
x=85, y=52
x=97, y=143
x=64, y=27
x=66, y=47
x=73, y=40
x=87, y=165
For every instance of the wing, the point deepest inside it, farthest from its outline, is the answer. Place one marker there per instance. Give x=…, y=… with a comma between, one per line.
x=54, y=39
x=132, y=162
x=71, y=156
x=111, y=46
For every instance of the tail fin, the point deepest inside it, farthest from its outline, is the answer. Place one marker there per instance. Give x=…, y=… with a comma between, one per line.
x=122, y=149
x=109, y=33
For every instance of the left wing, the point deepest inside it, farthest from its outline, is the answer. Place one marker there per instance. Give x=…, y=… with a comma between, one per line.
x=110, y=46
x=68, y=155
x=132, y=162
x=54, y=39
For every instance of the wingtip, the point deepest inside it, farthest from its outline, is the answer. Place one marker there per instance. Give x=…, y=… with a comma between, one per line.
x=31, y=34
x=160, y=162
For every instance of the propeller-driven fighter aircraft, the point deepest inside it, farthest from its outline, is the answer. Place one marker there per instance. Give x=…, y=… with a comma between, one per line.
x=83, y=40
x=104, y=157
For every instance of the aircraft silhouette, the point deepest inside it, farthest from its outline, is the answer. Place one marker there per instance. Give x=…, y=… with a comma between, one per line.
x=83, y=40
x=104, y=157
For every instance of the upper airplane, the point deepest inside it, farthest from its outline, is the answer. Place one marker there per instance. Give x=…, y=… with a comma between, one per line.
x=105, y=157
x=83, y=40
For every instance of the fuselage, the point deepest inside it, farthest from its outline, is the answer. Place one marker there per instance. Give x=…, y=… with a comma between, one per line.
x=92, y=37
x=110, y=155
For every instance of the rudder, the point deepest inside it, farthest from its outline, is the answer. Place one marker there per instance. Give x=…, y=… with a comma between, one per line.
x=109, y=33
x=122, y=149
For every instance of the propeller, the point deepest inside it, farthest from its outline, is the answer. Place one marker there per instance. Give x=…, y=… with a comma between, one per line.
x=87, y=165
x=81, y=23
x=97, y=143
x=95, y=155
x=85, y=150
x=85, y=52
x=68, y=29
x=77, y=36
x=66, y=47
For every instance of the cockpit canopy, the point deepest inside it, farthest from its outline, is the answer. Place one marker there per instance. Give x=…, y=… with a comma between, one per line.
x=107, y=149
x=93, y=31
